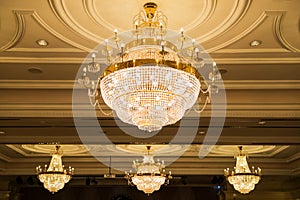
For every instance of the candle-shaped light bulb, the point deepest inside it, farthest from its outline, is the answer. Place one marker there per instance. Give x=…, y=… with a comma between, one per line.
x=193, y=41
x=136, y=25
x=163, y=45
x=116, y=34
x=181, y=31
x=106, y=41
x=122, y=47
x=84, y=69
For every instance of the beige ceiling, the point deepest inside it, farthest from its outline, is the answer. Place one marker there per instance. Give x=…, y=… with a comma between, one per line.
x=262, y=82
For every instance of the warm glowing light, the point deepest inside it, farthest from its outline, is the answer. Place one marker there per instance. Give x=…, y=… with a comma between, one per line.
x=151, y=77
x=150, y=175
x=242, y=178
x=55, y=176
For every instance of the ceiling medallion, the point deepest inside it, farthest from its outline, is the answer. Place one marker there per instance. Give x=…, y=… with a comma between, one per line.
x=242, y=178
x=151, y=76
x=55, y=176
x=150, y=175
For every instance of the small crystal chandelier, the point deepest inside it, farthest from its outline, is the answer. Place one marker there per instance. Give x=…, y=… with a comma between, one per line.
x=150, y=74
x=150, y=175
x=242, y=178
x=55, y=176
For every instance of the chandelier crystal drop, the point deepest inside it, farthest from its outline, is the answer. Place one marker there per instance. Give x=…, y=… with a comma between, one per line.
x=150, y=175
x=242, y=178
x=55, y=176
x=149, y=75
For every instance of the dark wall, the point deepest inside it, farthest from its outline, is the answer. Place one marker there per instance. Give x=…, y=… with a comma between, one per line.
x=118, y=193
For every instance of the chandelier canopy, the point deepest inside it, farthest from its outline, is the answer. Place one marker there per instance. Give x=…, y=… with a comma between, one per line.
x=150, y=175
x=151, y=76
x=55, y=176
x=242, y=178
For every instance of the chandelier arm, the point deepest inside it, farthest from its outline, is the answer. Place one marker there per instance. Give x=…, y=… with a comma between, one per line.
x=205, y=91
x=203, y=107
x=99, y=106
x=90, y=93
x=96, y=102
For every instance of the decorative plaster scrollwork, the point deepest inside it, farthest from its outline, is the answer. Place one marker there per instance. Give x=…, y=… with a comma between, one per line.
x=237, y=13
x=60, y=10
x=20, y=28
x=279, y=34
x=252, y=27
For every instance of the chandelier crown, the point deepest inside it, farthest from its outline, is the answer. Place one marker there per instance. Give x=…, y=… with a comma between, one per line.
x=55, y=175
x=150, y=17
x=242, y=178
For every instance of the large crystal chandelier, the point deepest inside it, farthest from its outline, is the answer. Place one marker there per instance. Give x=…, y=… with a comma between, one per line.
x=150, y=175
x=55, y=176
x=150, y=77
x=242, y=178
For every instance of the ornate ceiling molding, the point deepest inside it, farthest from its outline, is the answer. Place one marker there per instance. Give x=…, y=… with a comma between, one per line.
x=4, y=158
x=36, y=150
x=262, y=18
x=258, y=60
x=256, y=50
x=257, y=111
x=229, y=84
x=279, y=34
x=50, y=60
x=163, y=150
x=89, y=8
x=253, y=150
x=77, y=60
x=20, y=28
x=21, y=31
x=208, y=11
x=62, y=13
x=238, y=11
x=58, y=35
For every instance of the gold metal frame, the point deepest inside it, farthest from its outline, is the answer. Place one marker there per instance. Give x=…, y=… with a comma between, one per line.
x=146, y=62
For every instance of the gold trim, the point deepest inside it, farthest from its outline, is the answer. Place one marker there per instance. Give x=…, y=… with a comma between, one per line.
x=146, y=62
x=150, y=42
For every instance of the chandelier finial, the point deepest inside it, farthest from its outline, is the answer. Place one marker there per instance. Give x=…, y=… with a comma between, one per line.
x=150, y=9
